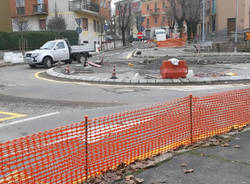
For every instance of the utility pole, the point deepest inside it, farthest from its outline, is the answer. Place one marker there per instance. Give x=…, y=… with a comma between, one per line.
x=236, y=26
x=203, y=22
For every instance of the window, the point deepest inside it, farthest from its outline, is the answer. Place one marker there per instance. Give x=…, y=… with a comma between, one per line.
x=42, y=24
x=148, y=7
x=85, y=24
x=94, y=25
x=19, y=3
x=102, y=28
x=163, y=4
x=155, y=5
x=60, y=45
x=22, y=26
x=163, y=20
x=147, y=20
x=155, y=20
x=20, y=10
x=98, y=26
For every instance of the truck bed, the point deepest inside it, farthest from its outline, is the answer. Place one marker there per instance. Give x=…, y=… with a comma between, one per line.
x=82, y=48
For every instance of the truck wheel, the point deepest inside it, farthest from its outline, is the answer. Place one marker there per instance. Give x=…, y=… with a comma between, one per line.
x=47, y=62
x=82, y=59
x=68, y=61
x=32, y=66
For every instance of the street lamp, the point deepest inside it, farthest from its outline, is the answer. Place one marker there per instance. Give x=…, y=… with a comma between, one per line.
x=203, y=22
x=236, y=26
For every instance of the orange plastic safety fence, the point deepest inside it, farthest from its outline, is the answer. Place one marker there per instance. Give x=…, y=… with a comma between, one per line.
x=173, y=42
x=54, y=156
x=125, y=137
x=69, y=154
x=219, y=113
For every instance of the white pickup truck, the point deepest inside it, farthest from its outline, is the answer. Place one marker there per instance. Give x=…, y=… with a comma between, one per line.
x=59, y=50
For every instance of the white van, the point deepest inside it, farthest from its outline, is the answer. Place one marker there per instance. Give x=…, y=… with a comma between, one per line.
x=160, y=34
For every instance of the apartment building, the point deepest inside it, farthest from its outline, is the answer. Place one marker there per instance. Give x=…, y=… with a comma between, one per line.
x=155, y=17
x=5, y=20
x=28, y=14
x=84, y=16
x=221, y=16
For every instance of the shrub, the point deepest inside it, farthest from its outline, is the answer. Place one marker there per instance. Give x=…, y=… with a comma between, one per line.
x=35, y=39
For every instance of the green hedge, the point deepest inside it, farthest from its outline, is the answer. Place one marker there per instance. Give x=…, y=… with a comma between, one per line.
x=35, y=39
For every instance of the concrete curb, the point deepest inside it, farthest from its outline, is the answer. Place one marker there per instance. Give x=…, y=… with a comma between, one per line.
x=5, y=64
x=153, y=82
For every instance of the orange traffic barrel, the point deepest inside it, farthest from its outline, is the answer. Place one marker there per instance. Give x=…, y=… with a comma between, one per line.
x=170, y=70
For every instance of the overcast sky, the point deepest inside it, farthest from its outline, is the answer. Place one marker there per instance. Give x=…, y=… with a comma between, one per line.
x=112, y=3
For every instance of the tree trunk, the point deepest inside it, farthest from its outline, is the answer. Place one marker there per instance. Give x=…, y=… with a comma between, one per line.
x=189, y=31
x=181, y=31
x=123, y=37
x=194, y=30
x=180, y=27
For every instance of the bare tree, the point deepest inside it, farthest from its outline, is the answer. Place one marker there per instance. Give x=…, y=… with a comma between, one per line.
x=192, y=10
x=57, y=23
x=124, y=15
x=112, y=31
x=179, y=13
x=112, y=25
x=170, y=19
x=20, y=24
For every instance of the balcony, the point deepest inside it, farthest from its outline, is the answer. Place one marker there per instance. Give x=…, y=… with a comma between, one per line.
x=20, y=10
x=155, y=12
x=86, y=7
x=40, y=9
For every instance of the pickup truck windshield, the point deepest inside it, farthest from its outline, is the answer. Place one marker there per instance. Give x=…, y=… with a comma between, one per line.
x=48, y=45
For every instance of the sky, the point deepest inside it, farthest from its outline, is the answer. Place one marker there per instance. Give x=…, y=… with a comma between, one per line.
x=112, y=3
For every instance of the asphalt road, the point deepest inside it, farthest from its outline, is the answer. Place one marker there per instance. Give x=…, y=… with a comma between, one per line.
x=29, y=104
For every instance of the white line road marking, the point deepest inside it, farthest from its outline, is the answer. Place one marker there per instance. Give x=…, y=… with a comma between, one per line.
x=129, y=55
x=94, y=134
x=28, y=119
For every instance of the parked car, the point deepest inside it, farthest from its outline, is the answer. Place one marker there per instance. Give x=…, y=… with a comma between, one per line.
x=59, y=50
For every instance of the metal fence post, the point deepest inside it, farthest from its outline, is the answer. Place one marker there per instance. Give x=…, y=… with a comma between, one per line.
x=86, y=145
x=191, y=118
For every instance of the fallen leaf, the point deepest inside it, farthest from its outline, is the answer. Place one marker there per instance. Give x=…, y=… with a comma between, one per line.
x=225, y=145
x=183, y=165
x=129, y=177
x=138, y=180
x=186, y=171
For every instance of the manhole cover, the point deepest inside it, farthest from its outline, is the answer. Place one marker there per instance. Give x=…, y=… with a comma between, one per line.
x=125, y=90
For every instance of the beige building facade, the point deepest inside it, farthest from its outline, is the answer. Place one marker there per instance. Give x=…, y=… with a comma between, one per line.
x=226, y=14
x=5, y=20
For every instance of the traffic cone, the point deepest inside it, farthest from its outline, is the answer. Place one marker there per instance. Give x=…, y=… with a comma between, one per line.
x=114, y=73
x=67, y=69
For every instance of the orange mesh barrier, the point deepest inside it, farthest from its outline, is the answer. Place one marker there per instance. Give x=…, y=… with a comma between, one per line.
x=54, y=156
x=219, y=113
x=68, y=154
x=173, y=42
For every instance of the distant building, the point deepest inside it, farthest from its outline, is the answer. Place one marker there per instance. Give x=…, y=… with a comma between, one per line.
x=85, y=16
x=154, y=13
x=5, y=20
x=221, y=17
x=29, y=14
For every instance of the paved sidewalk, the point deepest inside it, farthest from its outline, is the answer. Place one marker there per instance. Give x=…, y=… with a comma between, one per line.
x=208, y=165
